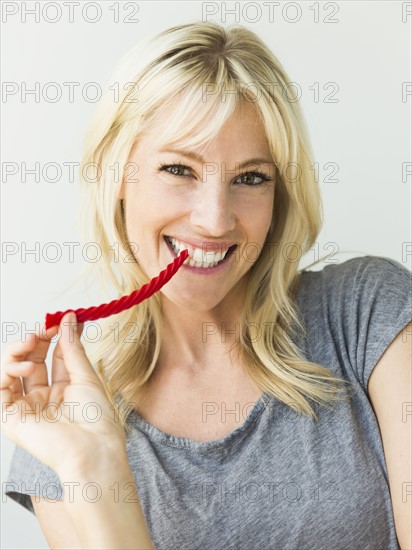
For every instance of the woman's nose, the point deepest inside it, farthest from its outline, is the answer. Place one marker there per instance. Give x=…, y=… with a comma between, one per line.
x=213, y=209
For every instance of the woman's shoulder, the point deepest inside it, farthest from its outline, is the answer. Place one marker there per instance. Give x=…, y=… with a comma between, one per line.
x=368, y=262
x=356, y=277
x=357, y=307
x=356, y=292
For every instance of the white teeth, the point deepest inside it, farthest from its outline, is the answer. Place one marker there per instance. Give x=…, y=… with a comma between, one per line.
x=208, y=257
x=197, y=257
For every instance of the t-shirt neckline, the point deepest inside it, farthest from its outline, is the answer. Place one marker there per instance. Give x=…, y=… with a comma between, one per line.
x=159, y=436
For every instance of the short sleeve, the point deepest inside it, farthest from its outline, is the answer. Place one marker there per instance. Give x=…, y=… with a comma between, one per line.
x=28, y=476
x=370, y=300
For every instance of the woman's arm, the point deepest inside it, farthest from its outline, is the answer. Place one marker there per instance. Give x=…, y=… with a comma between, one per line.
x=56, y=524
x=390, y=387
x=61, y=525
x=103, y=505
x=89, y=457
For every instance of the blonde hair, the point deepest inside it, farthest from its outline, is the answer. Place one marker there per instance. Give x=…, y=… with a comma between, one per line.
x=190, y=62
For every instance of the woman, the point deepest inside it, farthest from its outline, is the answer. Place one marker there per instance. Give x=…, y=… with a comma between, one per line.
x=250, y=405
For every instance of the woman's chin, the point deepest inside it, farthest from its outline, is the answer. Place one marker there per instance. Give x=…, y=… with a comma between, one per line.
x=192, y=301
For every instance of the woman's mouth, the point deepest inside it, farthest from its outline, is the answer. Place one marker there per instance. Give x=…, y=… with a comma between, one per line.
x=199, y=261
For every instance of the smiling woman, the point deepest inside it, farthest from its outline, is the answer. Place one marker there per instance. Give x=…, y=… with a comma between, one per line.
x=244, y=401
x=215, y=160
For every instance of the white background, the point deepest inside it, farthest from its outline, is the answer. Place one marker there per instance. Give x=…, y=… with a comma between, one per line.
x=366, y=133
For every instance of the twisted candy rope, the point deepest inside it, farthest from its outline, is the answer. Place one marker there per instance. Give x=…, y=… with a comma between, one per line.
x=123, y=303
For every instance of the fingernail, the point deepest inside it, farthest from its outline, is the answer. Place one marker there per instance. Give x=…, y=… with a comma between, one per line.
x=71, y=317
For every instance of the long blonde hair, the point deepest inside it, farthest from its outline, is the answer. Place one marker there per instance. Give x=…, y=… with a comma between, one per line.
x=189, y=62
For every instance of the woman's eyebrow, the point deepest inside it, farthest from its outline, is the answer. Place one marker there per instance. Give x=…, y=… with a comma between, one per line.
x=198, y=158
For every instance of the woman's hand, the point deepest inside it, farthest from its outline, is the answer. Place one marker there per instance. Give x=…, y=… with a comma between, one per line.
x=69, y=425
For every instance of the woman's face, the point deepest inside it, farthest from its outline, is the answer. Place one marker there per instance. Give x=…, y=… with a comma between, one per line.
x=219, y=196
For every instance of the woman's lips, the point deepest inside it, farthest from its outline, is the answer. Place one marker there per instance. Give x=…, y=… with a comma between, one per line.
x=202, y=270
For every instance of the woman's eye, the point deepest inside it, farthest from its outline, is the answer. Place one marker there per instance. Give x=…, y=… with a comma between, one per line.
x=249, y=178
x=176, y=169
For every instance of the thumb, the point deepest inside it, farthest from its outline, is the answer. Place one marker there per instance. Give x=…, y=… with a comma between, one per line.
x=72, y=350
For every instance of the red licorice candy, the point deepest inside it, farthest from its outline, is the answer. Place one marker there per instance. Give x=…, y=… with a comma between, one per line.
x=123, y=303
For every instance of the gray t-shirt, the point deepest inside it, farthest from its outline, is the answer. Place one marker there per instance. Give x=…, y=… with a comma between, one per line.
x=280, y=481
